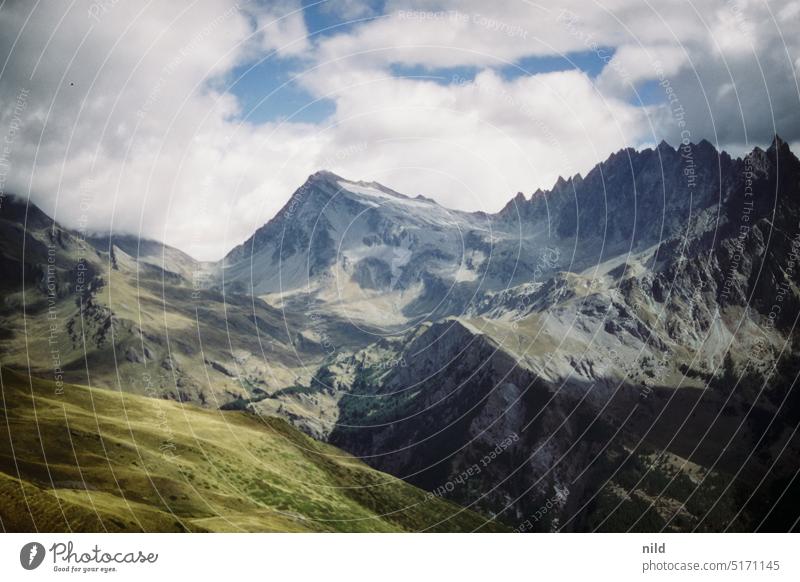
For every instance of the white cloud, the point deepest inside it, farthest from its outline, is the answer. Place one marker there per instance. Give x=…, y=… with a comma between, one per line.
x=462, y=142
x=282, y=28
x=632, y=64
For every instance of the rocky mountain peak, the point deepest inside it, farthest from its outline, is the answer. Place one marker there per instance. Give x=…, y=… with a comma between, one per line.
x=16, y=209
x=516, y=205
x=664, y=146
x=778, y=144
x=324, y=176
x=706, y=146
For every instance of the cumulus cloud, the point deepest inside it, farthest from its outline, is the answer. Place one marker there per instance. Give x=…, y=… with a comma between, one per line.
x=472, y=137
x=632, y=64
x=282, y=28
x=127, y=106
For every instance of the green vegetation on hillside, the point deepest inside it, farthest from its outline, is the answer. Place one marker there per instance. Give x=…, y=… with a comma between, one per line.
x=92, y=459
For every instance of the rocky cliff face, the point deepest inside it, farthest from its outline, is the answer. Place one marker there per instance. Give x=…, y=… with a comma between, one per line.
x=451, y=411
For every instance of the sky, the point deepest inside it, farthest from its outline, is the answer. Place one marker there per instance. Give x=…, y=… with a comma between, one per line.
x=193, y=122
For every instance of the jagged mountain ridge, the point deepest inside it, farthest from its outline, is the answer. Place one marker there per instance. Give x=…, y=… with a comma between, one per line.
x=385, y=259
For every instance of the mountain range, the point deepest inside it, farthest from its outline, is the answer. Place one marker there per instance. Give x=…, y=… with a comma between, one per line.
x=617, y=353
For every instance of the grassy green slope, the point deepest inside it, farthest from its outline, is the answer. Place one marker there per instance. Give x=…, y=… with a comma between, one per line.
x=95, y=460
